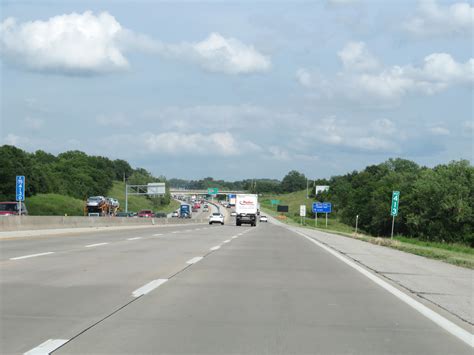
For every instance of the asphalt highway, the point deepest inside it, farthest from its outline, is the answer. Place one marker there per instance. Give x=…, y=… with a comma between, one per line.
x=199, y=289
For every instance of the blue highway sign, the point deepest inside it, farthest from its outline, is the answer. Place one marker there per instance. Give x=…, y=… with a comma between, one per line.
x=20, y=188
x=322, y=207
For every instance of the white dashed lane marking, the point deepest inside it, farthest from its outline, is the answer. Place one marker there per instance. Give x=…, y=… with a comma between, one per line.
x=194, y=260
x=31, y=256
x=148, y=287
x=95, y=245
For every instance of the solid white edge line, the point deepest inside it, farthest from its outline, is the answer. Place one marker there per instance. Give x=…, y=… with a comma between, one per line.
x=227, y=241
x=95, y=245
x=444, y=323
x=194, y=260
x=135, y=238
x=31, y=256
x=215, y=248
x=47, y=347
x=148, y=287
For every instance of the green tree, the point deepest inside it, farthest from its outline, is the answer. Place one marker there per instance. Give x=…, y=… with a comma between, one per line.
x=293, y=181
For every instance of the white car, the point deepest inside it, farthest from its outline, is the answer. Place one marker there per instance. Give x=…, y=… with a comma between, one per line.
x=233, y=214
x=263, y=219
x=216, y=218
x=175, y=214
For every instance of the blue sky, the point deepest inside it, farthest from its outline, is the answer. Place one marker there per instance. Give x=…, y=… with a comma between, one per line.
x=240, y=89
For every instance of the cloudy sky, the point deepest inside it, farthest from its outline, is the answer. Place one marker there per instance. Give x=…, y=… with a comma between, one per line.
x=240, y=89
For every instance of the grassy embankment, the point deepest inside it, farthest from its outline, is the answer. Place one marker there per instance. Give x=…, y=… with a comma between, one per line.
x=456, y=254
x=59, y=205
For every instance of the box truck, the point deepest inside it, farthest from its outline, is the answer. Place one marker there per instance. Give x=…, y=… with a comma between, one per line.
x=246, y=207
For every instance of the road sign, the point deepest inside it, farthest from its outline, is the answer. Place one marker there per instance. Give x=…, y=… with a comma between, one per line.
x=322, y=207
x=20, y=188
x=212, y=191
x=275, y=202
x=395, y=203
x=302, y=210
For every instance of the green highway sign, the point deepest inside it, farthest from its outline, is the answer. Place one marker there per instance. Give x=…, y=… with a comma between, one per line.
x=212, y=191
x=275, y=202
x=395, y=202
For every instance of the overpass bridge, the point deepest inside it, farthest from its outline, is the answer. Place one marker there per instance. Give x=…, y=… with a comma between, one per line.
x=174, y=191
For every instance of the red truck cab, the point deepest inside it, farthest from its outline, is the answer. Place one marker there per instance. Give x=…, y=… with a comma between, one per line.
x=12, y=209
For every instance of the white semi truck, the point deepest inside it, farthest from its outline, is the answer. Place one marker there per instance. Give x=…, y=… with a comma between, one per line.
x=246, y=207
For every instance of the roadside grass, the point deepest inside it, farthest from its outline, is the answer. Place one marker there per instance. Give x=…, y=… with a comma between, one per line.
x=54, y=205
x=137, y=203
x=456, y=254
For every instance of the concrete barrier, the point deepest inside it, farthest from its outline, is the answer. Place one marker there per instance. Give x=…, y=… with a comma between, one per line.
x=21, y=223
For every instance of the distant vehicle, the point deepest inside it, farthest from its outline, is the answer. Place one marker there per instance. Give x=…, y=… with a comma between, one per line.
x=216, y=218
x=205, y=209
x=246, y=208
x=206, y=206
x=175, y=214
x=263, y=218
x=160, y=215
x=233, y=214
x=12, y=209
x=95, y=201
x=124, y=214
x=194, y=209
x=146, y=214
x=185, y=211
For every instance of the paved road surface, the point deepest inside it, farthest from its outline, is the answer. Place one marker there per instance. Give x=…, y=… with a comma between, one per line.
x=263, y=290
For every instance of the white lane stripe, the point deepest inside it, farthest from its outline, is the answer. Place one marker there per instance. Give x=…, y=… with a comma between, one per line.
x=47, y=347
x=227, y=241
x=175, y=232
x=194, y=260
x=32, y=255
x=444, y=323
x=157, y=235
x=95, y=245
x=235, y=237
x=148, y=287
x=134, y=238
x=215, y=248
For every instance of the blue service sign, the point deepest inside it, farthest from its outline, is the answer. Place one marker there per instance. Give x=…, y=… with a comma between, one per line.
x=232, y=196
x=322, y=207
x=20, y=188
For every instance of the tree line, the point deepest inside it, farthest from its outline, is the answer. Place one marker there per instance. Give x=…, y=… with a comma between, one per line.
x=436, y=204
x=72, y=173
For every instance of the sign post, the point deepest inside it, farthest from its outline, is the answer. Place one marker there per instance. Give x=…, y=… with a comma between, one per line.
x=321, y=207
x=357, y=222
x=20, y=190
x=394, y=208
x=302, y=213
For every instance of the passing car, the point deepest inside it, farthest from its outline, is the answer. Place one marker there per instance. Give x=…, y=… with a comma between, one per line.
x=160, y=215
x=263, y=218
x=233, y=214
x=216, y=217
x=146, y=214
x=175, y=214
x=12, y=209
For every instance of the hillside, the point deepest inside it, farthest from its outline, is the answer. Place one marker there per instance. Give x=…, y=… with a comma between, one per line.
x=60, y=205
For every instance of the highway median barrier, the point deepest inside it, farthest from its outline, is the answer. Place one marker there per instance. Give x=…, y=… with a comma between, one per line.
x=23, y=223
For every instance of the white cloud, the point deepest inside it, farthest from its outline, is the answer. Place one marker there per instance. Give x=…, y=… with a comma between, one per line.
x=73, y=43
x=87, y=44
x=12, y=139
x=361, y=81
x=356, y=56
x=218, y=143
x=229, y=55
x=435, y=20
x=439, y=131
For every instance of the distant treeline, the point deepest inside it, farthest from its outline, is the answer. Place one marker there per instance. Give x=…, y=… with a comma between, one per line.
x=72, y=173
x=435, y=204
